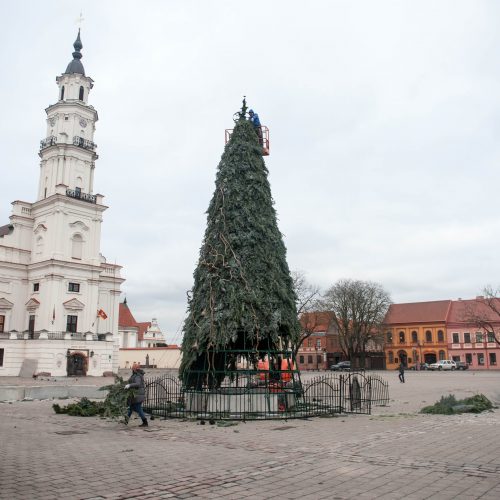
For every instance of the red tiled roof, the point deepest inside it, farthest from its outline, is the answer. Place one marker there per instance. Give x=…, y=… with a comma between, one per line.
x=125, y=317
x=142, y=329
x=317, y=321
x=464, y=310
x=418, y=312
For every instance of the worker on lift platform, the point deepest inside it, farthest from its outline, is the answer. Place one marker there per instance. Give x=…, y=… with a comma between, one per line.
x=254, y=118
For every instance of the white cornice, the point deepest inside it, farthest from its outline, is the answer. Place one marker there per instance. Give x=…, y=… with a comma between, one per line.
x=74, y=305
x=79, y=225
x=5, y=304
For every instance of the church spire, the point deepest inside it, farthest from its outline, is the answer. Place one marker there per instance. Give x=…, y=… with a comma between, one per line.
x=76, y=66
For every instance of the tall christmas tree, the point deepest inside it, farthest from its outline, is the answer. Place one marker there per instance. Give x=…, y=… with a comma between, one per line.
x=243, y=297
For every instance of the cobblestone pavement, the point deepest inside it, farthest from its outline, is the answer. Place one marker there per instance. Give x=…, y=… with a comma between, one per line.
x=393, y=453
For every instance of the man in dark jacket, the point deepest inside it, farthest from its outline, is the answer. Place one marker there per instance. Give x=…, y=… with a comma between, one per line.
x=402, y=372
x=136, y=381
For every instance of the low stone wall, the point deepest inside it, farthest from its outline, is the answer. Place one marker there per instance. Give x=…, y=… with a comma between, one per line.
x=157, y=357
x=20, y=393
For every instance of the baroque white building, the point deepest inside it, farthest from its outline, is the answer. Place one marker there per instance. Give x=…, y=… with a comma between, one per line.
x=59, y=298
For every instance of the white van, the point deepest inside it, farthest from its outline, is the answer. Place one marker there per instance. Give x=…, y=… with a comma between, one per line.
x=443, y=364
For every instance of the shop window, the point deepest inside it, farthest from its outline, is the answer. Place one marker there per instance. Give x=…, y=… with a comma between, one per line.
x=493, y=358
x=468, y=358
x=480, y=358
x=428, y=336
x=440, y=336
x=310, y=359
x=414, y=337
x=466, y=338
x=442, y=355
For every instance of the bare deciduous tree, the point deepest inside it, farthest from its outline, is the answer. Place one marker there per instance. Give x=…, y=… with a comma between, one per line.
x=308, y=297
x=484, y=312
x=358, y=310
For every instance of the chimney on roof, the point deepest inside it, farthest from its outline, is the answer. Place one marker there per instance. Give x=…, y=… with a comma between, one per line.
x=459, y=298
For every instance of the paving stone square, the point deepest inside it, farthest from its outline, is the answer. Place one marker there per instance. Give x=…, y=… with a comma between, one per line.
x=395, y=452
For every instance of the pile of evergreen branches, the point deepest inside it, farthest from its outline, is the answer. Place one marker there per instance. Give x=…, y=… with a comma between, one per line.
x=448, y=405
x=114, y=406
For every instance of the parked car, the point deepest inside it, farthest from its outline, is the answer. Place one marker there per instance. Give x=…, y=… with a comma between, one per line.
x=443, y=364
x=343, y=366
x=462, y=365
x=423, y=366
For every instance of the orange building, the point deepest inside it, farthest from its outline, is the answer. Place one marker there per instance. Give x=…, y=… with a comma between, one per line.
x=416, y=333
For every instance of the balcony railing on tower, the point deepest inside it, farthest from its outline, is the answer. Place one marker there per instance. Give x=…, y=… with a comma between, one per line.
x=48, y=141
x=77, y=193
x=84, y=143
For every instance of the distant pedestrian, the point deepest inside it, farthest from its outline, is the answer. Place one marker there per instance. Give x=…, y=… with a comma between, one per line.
x=136, y=381
x=402, y=372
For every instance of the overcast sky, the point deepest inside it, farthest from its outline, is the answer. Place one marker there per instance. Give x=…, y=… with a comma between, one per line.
x=384, y=119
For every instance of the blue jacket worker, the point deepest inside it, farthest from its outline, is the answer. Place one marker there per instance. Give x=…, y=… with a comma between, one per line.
x=254, y=119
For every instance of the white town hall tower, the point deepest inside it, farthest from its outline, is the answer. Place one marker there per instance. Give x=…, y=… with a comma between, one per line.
x=59, y=299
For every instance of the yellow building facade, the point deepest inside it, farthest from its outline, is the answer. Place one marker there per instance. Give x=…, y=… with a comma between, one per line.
x=416, y=333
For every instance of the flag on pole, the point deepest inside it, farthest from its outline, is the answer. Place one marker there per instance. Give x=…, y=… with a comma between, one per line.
x=101, y=314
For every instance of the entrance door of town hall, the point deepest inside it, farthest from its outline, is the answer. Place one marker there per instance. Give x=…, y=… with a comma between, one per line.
x=77, y=365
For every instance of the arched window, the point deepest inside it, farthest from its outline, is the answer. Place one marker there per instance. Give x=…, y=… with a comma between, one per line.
x=401, y=337
x=390, y=354
x=440, y=336
x=77, y=246
x=414, y=337
x=441, y=355
x=62, y=93
x=80, y=95
x=428, y=336
x=389, y=337
x=39, y=246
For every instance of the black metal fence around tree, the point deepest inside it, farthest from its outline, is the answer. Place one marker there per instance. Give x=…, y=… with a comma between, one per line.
x=267, y=389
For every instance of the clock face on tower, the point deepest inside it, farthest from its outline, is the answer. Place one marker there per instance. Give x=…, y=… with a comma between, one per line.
x=83, y=122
